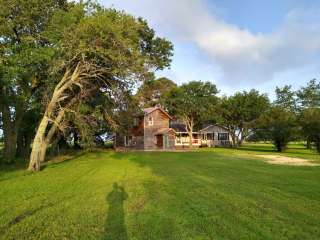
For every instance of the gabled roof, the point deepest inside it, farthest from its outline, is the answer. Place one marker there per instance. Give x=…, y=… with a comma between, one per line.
x=152, y=109
x=213, y=125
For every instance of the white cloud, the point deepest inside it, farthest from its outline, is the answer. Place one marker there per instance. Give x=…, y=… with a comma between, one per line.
x=242, y=56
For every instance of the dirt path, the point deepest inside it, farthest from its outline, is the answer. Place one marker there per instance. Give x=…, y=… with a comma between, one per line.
x=276, y=159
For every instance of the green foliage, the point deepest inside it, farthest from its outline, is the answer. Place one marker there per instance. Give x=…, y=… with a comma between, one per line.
x=153, y=91
x=117, y=50
x=210, y=194
x=194, y=100
x=310, y=123
x=309, y=96
x=240, y=112
x=280, y=124
x=25, y=57
x=286, y=98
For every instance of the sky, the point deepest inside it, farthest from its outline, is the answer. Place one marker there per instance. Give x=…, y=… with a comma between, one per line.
x=237, y=45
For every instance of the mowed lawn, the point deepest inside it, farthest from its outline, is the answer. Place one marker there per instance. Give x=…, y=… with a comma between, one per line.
x=208, y=194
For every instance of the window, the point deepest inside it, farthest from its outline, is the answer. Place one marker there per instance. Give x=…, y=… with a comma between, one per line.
x=136, y=122
x=223, y=136
x=210, y=136
x=127, y=141
x=150, y=121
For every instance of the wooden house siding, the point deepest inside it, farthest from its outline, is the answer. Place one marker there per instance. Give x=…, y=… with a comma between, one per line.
x=215, y=130
x=160, y=121
x=151, y=133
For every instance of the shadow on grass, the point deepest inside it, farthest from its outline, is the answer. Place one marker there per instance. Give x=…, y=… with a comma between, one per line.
x=115, y=227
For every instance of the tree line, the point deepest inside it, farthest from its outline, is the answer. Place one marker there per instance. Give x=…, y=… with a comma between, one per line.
x=248, y=115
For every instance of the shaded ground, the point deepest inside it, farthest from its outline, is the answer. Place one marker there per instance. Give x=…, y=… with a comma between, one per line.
x=211, y=194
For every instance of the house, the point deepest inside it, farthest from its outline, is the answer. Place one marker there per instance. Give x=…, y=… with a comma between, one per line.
x=210, y=136
x=215, y=135
x=155, y=129
x=151, y=131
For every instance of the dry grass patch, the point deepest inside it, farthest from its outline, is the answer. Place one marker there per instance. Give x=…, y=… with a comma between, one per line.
x=277, y=159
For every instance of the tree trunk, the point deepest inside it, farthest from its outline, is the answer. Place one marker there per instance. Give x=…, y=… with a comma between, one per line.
x=234, y=139
x=10, y=149
x=308, y=142
x=54, y=114
x=10, y=137
x=39, y=146
x=241, y=140
x=189, y=127
x=23, y=145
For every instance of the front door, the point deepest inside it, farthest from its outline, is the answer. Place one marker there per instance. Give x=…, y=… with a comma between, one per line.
x=159, y=141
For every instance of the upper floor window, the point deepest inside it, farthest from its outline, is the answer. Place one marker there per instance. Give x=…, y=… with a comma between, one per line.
x=150, y=121
x=135, y=122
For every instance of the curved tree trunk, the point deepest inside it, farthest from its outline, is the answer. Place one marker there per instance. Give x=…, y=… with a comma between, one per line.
x=39, y=146
x=54, y=115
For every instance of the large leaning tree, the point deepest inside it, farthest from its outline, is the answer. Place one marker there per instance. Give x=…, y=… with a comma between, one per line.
x=102, y=51
x=192, y=103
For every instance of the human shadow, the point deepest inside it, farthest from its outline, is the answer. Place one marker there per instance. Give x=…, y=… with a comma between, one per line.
x=115, y=228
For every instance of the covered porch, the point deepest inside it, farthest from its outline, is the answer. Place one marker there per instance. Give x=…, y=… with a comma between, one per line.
x=182, y=139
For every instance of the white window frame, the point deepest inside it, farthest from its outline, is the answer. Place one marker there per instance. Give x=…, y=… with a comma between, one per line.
x=150, y=121
x=127, y=141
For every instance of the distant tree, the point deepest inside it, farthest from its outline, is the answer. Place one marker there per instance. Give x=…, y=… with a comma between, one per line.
x=286, y=98
x=152, y=92
x=310, y=123
x=239, y=113
x=280, y=124
x=101, y=52
x=192, y=102
x=309, y=96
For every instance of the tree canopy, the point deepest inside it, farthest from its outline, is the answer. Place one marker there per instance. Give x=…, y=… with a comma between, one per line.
x=192, y=102
x=240, y=112
x=153, y=91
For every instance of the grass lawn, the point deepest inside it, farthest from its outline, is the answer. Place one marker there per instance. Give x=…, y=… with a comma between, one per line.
x=208, y=194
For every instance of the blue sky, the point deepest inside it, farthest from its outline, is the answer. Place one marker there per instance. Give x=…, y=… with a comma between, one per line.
x=238, y=45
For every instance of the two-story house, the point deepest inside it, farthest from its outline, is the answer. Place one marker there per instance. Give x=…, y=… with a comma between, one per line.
x=151, y=131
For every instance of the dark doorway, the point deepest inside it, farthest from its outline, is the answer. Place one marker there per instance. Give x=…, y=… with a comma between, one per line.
x=159, y=141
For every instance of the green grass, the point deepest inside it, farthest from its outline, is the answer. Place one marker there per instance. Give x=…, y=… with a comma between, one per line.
x=209, y=194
